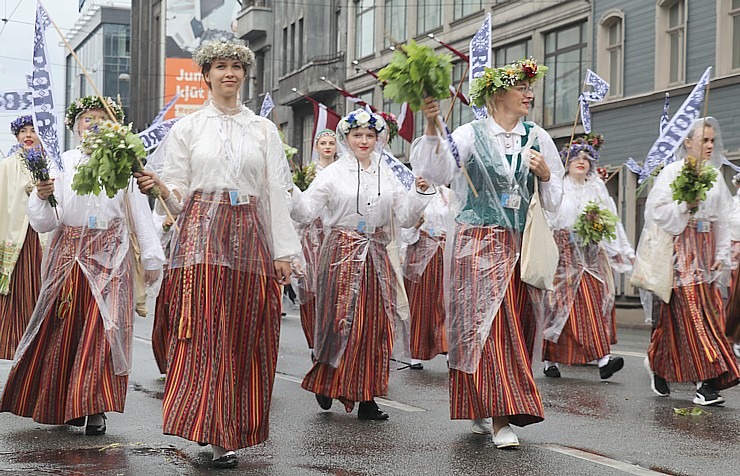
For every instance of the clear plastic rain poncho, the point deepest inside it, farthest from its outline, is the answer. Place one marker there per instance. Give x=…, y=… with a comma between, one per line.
x=91, y=232
x=576, y=259
x=429, y=238
x=699, y=239
x=484, y=232
x=219, y=163
x=363, y=213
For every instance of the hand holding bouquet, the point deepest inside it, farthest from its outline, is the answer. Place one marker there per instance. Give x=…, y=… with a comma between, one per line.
x=691, y=186
x=115, y=154
x=595, y=223
x=35, y=161
x=304, y=175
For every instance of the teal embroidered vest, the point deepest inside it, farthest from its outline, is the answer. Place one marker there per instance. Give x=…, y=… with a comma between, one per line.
x=490, y=179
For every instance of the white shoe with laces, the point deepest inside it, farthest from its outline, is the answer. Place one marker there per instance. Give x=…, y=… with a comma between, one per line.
x=505, y=438
x=481, y=426
x=736, y=349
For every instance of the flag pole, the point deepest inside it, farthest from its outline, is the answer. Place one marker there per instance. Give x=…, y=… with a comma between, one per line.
x=575, y=123
x=105, y=104
x=457, y=91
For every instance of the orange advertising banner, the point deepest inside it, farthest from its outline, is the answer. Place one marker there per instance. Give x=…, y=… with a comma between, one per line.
x=184, y=76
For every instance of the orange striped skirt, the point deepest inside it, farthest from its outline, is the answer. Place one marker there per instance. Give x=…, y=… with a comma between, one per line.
x=502, y=384
x=67, y=371
x=161, y=326
x=363, y=370
x=426, y=300
x=221, y=364
x=688, y=344
x=732, y=310
x=586, y=334
x=313, y=236
x=16, y=308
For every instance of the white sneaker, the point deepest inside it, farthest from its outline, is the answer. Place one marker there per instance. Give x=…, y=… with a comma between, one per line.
x=505, y=438
x=481, y=426
x=736, y=349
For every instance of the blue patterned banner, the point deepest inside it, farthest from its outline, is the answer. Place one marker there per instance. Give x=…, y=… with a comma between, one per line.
x=156, y=133
x=13, y=101
x=160, y=115
x=480, y=58
x=45, y=120
x=404, y=175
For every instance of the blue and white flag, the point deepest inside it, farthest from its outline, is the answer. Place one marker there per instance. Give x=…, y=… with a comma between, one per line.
x=44, y=118
x=163, y=112
x=671, y=136
x=404, y=175
x=664, y=118
x=156, y=133
x=600, y=89
x=480, y=59
x=15, y=101
x=267, y=105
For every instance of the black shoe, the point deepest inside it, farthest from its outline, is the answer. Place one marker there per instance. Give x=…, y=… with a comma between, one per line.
x=76, y=421
x=324, y=402
x=369, y=411
x=660, y=386
x=552, y=371
x=229, y=460
x=416, y=366
x=708, y=395
x=95, y=430
x=614, y=365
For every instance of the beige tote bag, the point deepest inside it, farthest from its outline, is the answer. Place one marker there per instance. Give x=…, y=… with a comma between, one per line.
x=540, y=255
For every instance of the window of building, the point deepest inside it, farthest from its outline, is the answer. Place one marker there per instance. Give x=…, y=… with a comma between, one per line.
x=670, y=43
x=299, y=46
x=366, y=96
x=728, y=37
x=429, y=16
x=466, y=7
x=395, y=20
x=306, y=148
x=507, y=54
x=292, y=47
x=365, y=28
x=285, y=51
x=735, y=15
x=461, y=113
x=610, y=59
x=565, y=55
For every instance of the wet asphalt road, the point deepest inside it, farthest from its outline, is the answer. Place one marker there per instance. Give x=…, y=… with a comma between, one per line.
x=591, y=427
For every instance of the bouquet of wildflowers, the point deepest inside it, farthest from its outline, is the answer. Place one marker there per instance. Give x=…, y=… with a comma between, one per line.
x=392, y=123
x=115, y=154
x=304, y=175
x=35, y=161
x=595, y=223
x=694, y=181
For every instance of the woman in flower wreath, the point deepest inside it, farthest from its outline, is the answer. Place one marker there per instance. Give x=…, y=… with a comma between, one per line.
x=312, y=235
x=224, y=174
x=688, y=343
x=578, y=315
x=423, y=271
x=75, y=356
x=733, y=299
x=20, y=249
x=489, y=319
x=359, y=198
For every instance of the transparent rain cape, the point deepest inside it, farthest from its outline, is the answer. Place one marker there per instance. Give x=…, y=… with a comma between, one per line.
x=92, y=234
x=484, y=243
x=553, y=308
x=429, y=239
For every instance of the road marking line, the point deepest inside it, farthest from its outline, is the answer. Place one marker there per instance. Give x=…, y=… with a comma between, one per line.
x=602, y=460
x=629, y=354
x=380, y=401
x=141, y=339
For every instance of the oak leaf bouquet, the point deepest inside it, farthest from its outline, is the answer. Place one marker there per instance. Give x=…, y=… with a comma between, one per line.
x=115, y=154
x=695, y=180
x=595, y=223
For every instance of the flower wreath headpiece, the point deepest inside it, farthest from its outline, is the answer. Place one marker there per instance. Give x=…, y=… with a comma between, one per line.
x=361, y=118
x=213, y=50
x=322, y=133
x=87, y=103
x=588, y=145
x=496, y=79
x=19, y=122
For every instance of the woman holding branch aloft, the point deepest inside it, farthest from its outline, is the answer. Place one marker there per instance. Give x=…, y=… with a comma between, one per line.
x=690, y=202
x=226, y=178
x=489, y=319
x=74, y=359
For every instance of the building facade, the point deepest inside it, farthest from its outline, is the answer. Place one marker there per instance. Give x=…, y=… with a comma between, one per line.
x=101, y=38
x=147, y=79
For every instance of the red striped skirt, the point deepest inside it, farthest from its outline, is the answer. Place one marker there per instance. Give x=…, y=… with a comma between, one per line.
x=688, y=344
x=67, y=371
x=221, y=364
x=426, y=300
x=161, y=326
x=502, y=384
x=313, y=235
x=16, y=308
x=363, y=370
x=586, y=334
x=733, y=303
